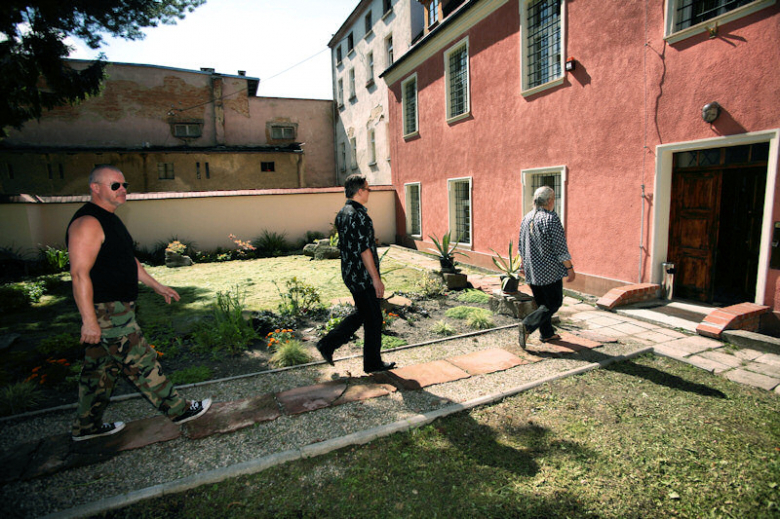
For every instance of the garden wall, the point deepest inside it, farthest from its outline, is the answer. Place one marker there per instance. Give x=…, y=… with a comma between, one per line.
x=28, y=223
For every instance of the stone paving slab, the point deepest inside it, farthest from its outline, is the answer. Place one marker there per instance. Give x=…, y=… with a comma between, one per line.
x=487, y=361
x=629, y=328
x=747, y=354
x=423, y=375
x=653, y=336
x=707, y=364
x=225, y=417
x=595, y=335
x=751, y=379
x=363, y=389
x=308, y=398
x=693, y=344
x=765, y=369
x=731, y=361
x=769, y=358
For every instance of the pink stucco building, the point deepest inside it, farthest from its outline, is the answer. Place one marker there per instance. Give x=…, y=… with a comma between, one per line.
x=604, y=102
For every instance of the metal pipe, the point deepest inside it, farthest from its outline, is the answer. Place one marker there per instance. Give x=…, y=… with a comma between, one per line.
x=641, y=234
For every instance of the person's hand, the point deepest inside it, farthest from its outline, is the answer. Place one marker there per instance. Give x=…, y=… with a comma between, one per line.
x=571, y=276
x=168, y=293
x=380, y=289
x=90, y=333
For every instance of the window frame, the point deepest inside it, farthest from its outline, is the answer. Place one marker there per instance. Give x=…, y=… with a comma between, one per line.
x=527, y=176
x=267, y=166
x=452, y=210
x=389, y=50
x=166, y=167
x=195, y=127
x=670, y=20
x=370, y=69
x=339, y=57
x=372, y=147
x=525, y=88
x=350, y=43
x=343, y=150
x=272, y=126
x=368, y=19
x=353, y=153
x=352, y=90
x=406, y=131
x=432, y=13
x=462, y=45
x=408, y=209
x=340, y=92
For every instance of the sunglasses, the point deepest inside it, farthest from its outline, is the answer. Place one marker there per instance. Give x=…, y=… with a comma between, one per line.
x=115, y=185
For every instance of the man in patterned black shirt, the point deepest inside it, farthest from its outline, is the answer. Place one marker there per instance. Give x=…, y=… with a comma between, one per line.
x=360, y=272
x=546, y=261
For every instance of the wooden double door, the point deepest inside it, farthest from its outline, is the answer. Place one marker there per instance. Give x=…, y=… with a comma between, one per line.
x=715, y=227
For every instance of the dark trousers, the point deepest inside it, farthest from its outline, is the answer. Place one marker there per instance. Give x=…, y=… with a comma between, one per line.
x=549, y=298
x=368, y=313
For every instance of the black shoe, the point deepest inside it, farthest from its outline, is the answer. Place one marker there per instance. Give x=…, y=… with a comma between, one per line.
x=197, y=409
x=105, y=429
x=327, y=355
x=382, y=367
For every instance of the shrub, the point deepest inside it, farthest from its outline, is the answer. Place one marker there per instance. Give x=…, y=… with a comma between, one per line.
x=279, y=337
x=301, y=299
x=52, y=372
x=229, y=330
x=19, y=397
x=465, y=312
x=271, y=244
x=480, y=321
x=431, y=285
x=191, y=375
x=56, y=259
x=63, y=344
x=473, y=296
x=244, y=249
x=290, y=353
x=388, y=318
x=34, y=290
x=442, y=328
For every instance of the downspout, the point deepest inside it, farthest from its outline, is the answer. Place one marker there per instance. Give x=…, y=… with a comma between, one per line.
x=641, y=231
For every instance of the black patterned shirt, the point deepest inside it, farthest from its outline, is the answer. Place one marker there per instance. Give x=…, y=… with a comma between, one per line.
x=356, y=234
x=542, y=246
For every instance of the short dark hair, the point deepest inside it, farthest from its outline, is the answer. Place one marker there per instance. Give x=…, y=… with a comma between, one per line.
x=353, y=184
x=96, y=173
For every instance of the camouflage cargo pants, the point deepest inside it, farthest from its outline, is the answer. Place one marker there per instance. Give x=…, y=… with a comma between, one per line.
x=122, y=351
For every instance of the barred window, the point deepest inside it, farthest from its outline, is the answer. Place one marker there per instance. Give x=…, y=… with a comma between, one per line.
x=457, y=65
x=549, y=179
x=413, y=226
x=460, y=210
x=543, y=42
x=409, y=101
x=691, y=12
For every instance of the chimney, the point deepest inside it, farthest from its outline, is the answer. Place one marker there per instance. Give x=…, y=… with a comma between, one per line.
x=242, y=72
x=206, y=69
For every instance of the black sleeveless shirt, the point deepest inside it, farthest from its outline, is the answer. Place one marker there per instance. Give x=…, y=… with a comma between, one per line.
x=115, y=273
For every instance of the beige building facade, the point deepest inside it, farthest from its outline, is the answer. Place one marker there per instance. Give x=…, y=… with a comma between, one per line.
x=375, y=34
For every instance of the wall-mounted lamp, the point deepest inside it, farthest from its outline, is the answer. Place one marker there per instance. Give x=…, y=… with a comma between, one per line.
x=570, y=64
x=710, y=112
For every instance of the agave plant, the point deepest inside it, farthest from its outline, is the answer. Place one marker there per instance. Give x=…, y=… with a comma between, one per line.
x=446, y=251
x=510, y=268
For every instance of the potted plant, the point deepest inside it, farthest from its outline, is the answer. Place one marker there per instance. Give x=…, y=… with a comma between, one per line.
x=446, y=251
x=510, y=268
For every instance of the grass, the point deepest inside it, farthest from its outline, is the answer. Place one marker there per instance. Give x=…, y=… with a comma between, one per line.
x=644, y=438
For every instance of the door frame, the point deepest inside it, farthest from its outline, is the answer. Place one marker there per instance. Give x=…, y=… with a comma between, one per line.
x=663, y=193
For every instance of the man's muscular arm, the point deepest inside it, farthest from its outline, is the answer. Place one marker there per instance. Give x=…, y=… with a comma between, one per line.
x=85, y=238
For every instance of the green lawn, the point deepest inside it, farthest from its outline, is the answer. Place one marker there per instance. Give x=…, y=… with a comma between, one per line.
x=645, y=438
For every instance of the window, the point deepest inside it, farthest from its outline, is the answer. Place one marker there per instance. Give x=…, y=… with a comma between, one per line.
x=685, y=18
x=389, y=49
x=533, y=179
x=413, y=221
x=409, y=103
x=340, y=93
x=267, y=166
x=282, y=132
x=208, y=173
x=353, y=153
x=165, y=171
x=433, y=13
x=338, y=55
x=460, y=210
x=352, y=84
x=186, y=130
x=370, y=68
x=350, y=43
x=371, y=147
x=456, y=65
x=197, y=170
x=343, y=154
x=387, y=5
x=369, y=23
x=542, y=55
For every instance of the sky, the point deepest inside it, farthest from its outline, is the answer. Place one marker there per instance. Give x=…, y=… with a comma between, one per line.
x=263, y=37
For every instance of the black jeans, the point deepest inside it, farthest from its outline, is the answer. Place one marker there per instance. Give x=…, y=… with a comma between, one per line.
x=368, y=313
x=549, y=298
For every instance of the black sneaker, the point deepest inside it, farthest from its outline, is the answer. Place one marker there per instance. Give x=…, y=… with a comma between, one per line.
x=106, y=429
x=197, y=408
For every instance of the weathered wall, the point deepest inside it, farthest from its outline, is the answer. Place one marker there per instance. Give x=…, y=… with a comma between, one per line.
x=205, y=220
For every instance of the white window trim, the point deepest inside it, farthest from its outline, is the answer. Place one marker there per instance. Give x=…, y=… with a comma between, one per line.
x=416, y=131
x=372, y=147
x=419, y=205
x=528, y=195
x=455, y=48
x=451, y=209
x=524, y=90
x=736, y=14
x=353, y=153
x=352, y=88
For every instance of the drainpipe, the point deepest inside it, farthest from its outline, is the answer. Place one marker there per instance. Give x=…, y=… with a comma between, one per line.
x=641, y=235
